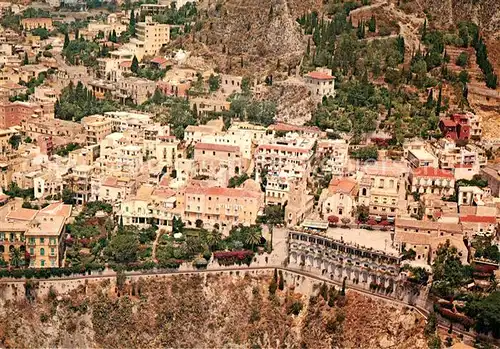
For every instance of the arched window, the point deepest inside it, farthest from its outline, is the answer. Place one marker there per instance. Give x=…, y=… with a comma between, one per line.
x=363, y=192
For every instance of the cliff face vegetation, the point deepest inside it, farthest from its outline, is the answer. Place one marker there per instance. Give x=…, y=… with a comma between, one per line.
x=215, y=311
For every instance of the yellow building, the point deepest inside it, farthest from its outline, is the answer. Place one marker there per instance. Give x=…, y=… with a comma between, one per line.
x=151, y=37
x=96, y=128
x=223, y=206
x=39, y=233
x=44, y=240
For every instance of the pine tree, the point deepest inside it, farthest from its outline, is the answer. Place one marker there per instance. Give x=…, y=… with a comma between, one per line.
x=66, y=40
x=135, y=65
x=438, y=103
x=114, y=38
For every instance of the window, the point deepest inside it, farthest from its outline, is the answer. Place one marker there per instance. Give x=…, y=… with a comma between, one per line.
x=32, y=251
x=52, y=251
x=42, y=240
x=42, y=252
x=52, y=241
x=42, y=263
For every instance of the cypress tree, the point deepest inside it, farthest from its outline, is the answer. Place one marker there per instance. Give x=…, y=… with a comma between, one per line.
x=132, y=22
x=26, y=60
x=342, y=292
x=430, y=99
x=438, y=104
x=135, y=65
x=281, y=283
x=66, y=40
x=372, y=24
x=424, y=30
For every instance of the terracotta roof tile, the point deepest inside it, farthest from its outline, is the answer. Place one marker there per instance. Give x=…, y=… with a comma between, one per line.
x=216, y=147
x=319, y=75
x=431, y=172
x=478, y=219
x=227, y=192
x=21, y=214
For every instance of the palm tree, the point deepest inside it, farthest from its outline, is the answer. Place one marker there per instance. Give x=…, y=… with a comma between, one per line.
x=16, y=259
x=253, y=237
x=213, y=237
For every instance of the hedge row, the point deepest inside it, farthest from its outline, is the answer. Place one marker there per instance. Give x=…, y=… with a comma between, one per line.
x=47, y=273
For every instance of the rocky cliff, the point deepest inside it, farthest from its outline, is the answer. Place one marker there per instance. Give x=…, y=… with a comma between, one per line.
x=213, y=311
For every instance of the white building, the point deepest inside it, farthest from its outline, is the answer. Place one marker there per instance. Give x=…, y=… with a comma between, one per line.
x=321, y=83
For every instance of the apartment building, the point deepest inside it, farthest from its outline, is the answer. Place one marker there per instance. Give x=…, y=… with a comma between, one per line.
x=193, y=134
x=205, y=106
x=230, y=84
x=335, y=153
x=279, y=129
x=13, y=113
x=425, y=237
x=421, y=158
x=223, y=206
x=44, y=240
x=282, y=154
x=151, y=37
x=6, y=149
x=79, y=181
x=112, y=189
x=492, y=174
x=37, y=233
x=278, y=187
x=382, y=189
x=211, y=158
x=97, y=127
x=34, y=23
x=48, y=183
x=138, y=90
x=430, y=180
x=167, y=151
x=474, y=225
x=414, y=144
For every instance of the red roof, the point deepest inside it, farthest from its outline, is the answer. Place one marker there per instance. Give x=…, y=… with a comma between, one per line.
x=341, y=186
x=319, y=75
x=448, y=123
x=216, y=147
x=126, y=64
x=159, y=60
x=431, y=172
x=478, y=219
x=216, y=191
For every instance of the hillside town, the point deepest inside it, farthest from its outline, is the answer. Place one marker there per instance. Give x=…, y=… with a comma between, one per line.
x=129, y=142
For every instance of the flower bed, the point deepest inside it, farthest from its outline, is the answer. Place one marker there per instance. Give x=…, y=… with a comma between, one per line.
x=234, y=257
x=456, y=317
